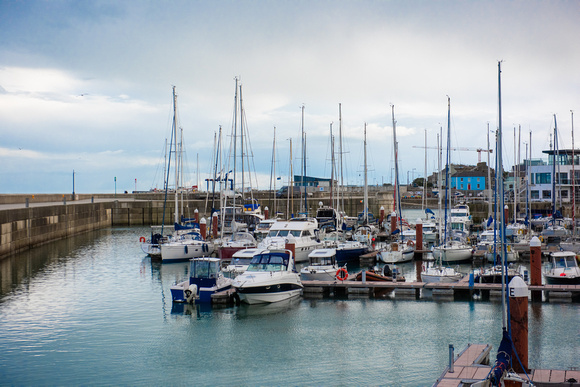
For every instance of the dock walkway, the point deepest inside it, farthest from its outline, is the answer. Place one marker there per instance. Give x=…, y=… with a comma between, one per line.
x=473, y=364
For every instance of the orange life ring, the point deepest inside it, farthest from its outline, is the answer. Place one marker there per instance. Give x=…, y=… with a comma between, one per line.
x=341, y=274
x=410, y=243
x=142, y=239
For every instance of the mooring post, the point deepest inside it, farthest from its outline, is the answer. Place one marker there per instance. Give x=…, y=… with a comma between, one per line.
x=393, y=222
x=381, y=216
x=196, y=216
x=518, y=293
x=203, y=228
x=451, y=356
x=419, y=234
x=214, y=223
x=536, y=267
x=266, y=213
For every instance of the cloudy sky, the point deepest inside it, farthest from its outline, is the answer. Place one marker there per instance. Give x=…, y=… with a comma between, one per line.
x=87, y=85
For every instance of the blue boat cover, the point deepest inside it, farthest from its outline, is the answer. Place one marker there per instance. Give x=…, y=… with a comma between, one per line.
x=503, y=359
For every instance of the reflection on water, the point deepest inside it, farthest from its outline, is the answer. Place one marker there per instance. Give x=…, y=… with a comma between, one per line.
x=95, y=310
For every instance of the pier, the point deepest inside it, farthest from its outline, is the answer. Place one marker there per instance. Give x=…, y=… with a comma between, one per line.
x=473, y=365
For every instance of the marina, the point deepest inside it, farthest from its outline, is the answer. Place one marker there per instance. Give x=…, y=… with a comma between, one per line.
x=93, y=309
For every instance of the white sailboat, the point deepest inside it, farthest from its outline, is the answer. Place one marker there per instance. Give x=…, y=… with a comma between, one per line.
x=451, y=250
x=399, y=250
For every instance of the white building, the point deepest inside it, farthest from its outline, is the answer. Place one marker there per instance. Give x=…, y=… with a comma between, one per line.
x=542, y=184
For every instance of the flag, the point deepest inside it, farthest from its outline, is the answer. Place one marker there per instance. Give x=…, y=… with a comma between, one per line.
x=489, y=221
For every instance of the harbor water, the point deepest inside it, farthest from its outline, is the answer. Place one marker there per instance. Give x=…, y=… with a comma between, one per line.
x=95, y=310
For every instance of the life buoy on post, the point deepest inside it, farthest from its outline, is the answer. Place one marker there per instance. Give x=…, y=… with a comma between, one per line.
x=341, y=274
x=142, y=239
x=410, y=243
x=520, y=231
x=541, y=238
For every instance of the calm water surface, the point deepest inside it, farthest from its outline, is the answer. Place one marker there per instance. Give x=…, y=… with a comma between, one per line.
x=94, y=310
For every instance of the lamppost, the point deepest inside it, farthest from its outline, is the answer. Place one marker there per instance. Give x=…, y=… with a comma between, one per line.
x=115, y=186
x=73, y=184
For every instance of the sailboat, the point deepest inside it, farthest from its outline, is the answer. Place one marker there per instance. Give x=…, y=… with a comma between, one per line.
x=502, y=373
x=189, y=243
x=398, y=250
x=451, y=250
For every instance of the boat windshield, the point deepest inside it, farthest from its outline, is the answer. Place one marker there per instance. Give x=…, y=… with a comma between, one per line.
x=204, y=269
x=563, y=262
x=321, y=261
x=269, y=262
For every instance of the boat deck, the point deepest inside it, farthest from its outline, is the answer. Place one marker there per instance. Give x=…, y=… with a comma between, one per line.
x=472, y=365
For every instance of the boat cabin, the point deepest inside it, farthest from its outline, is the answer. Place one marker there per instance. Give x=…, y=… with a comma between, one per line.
x=204, y=272
x=322, y=257
x=270, y=261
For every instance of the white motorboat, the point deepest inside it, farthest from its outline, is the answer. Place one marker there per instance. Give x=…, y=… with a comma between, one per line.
x=240, y=262
x=322, y=266
x=270, y=277
x=183, y=247
x=300, y=231
x=563, y=268
x=239, y=240
x=205, y=279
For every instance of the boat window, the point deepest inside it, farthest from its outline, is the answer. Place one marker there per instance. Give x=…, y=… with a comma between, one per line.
x=561, y=262
x=273, y=233
x=283, y=233
x=268, y=262
x=204, y=269
x=295, y=233
x=570, y=261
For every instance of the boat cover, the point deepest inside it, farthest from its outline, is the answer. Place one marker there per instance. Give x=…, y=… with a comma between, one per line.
x=503, y=359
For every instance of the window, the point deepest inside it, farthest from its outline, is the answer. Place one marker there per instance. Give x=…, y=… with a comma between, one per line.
x=543, y=178
x=546, y=194
x=564, y=194
x=535, y=194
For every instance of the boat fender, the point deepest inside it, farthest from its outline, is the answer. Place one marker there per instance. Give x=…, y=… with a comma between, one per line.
x=237, y=298
x=203, y=247
x=541, y=238
x=142, y=239
x=341, y=274
x=191, y=293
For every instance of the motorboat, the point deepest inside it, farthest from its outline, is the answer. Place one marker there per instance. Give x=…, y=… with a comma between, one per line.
x=300, y=231
x=563, y=268
x=322, y=266
x=239, y=240
x=270, y=277
x=184, y=247
x=386, y=273
x=493, y=274
x=152, y=246
x=205, y=279
x=240, y=261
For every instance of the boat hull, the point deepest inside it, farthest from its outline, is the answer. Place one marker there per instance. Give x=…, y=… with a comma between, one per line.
x=267, y=296
x=174, y=252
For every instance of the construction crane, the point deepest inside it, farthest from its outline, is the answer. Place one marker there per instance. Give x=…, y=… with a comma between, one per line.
x=478, y=150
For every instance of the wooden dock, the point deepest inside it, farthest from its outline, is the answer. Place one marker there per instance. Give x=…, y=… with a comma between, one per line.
x=462, y=288
x=473, y=364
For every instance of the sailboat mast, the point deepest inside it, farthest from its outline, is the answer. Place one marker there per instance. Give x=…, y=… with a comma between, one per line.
x=366, y=188
x=439, y=180
x=500, y=189
x=397, y=182
x=303, y=165
x=341, y=199
x=489, y=202
x=233, y=188
x=554, y=168
x=448, y=166
x=241, y=143
x=290, y=197
x=273, y=171
x=331, y=167
x=423, y=202
x=176, y=217
x=573, y=181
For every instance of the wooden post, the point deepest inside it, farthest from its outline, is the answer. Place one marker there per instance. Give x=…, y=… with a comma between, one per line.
x=291, y=245
x=196, y=216
x=536, y=267
x=506, y=212
x=203, y=228
x=518, y=293
x=214, y=221
x=419, y=234
x=394, y=222
x=266, y=213
x=381, y=216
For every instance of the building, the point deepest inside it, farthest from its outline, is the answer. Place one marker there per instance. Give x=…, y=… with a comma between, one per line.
x=559, y=165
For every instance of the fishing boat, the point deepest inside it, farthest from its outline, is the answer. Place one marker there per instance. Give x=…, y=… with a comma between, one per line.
x=205, y=279
x=270, y=277
x=322, y=266
x=563, y=268
x=300, y=231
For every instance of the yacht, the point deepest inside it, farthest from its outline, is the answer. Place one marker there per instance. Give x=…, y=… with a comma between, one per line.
x=240, y=262
x=300, y=231
x=270, y=277
x=184, y=247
